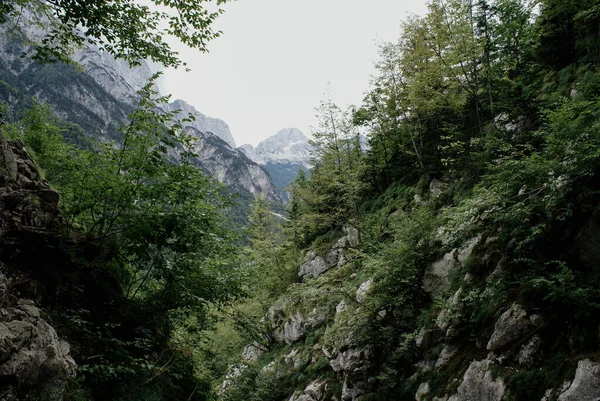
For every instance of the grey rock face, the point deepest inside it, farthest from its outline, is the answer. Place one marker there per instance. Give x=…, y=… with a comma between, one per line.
x=314, y=266
x=252, y=352
x=293, y=328
x=350, y=361
x=202, y=122
x=231, y=167
x=477, y=384
x=363, y=290
x=436, y=277
x=315, y=391
x=586, y=385
x=512, y=325
x=289, y=145
x=115, y=76
x=422, y=392
x=34, y=360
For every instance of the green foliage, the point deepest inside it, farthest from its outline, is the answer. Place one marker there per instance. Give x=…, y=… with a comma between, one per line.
x=124, y=29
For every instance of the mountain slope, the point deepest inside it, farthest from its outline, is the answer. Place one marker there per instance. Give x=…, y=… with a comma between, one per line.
x=282, y=155
x=99, y=100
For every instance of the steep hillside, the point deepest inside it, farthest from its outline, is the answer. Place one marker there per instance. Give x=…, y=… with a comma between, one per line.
x=456, y=257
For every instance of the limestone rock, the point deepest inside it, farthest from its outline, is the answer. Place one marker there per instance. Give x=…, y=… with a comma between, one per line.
x=315, y=391
x=586, y=385
x=445, y=356
x=350, y=360
x=297, y=325
x=422, y=392
x=512, y=325
x=33, y=359
x=435, y=280
x=436, y=187
x=477, y=384
x=252, y=352
x=363, y=290
x=314, y=266
x=529, y=352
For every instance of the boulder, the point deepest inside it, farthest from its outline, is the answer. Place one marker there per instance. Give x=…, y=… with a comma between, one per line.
x=314, y=266
x=315, y=391
x=585, y=385
x=33, y=359
x=422, y=392
x=478, y=384
x=512, y=325
x=361, y=292
x=350, y=361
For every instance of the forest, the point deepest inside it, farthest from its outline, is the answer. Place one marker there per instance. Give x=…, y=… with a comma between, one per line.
x=483, y=143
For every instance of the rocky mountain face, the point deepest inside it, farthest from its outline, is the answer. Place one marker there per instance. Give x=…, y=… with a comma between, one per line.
x=99, y=100
x=35, y=362
x=230, y=166
x=201, y=122
x=282, y=155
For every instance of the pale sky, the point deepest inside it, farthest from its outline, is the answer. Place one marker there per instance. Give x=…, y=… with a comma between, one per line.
x=272, y=65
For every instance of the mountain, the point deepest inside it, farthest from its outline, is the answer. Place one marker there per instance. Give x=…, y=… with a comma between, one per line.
x=202, y=123
x=282, y=155
x=97, y=101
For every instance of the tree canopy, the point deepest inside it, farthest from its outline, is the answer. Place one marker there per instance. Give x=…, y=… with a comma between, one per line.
x=127, y=29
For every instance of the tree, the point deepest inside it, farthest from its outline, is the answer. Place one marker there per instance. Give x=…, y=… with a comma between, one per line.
x=124, y=28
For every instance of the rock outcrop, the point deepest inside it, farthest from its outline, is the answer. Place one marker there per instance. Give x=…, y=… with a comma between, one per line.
x=34, y=361
x=585, y=385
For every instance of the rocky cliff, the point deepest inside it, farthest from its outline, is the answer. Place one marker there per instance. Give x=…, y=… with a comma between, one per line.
x=35, y=363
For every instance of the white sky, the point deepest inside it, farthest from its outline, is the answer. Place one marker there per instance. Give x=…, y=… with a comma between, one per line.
x=272, y=65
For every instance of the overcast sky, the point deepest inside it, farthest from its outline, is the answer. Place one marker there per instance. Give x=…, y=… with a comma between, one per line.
x=273, y=63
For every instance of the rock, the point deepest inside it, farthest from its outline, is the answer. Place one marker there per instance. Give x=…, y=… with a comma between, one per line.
x=296, y=326
x=585, y=385
x=289, y=145
x=33, y=359
x=294, y=329
x=478, y=385
x=314, y=266
x=293, y=358
x=353, y=391
x=252, y=352
x=422, y=392
x=446, y=318
x=350, y=361
x=445, y=356
x=423, y=338
x=527, y=354
x=353, y=235
x=435, y=279
x=201, y=122
x=512, y=325
x=342, y=306
x=516, y=126
x=362, y=291
x=436, y=187
x=315, y=391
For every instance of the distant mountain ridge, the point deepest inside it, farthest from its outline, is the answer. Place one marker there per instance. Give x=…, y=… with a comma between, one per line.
x=99, y=99
x=282, y=155
x=289, y=145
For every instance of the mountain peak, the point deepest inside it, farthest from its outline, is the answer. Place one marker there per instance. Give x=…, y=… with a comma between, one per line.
x=288, y=145
x=202, y=122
